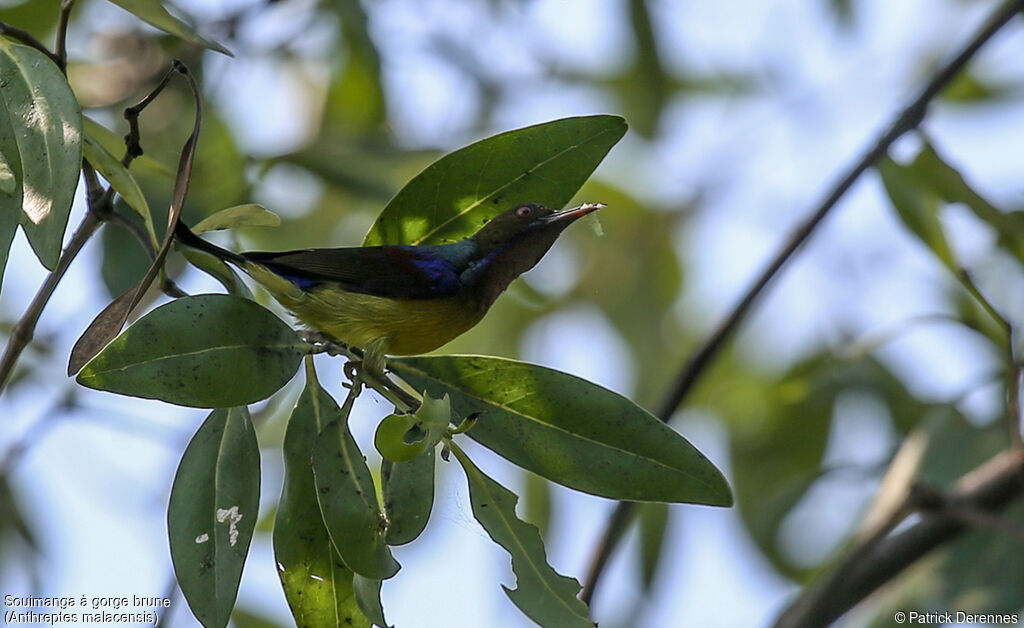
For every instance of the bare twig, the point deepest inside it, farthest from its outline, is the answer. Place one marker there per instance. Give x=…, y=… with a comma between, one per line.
x=986, y=489
x=28, y=39
x=60, y=49
x=908, y=119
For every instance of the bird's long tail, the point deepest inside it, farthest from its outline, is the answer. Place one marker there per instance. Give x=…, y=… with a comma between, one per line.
x=187, y=237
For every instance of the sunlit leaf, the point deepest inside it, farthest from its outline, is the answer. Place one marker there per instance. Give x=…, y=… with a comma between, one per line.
x=456, y=195
x=211, y=351
x=122, y=181
x=248, y=215
x=114, y=144
x=347, y=497
x=46, y=121
x=316, y=583
x=402, y=437
x=569, y=430
x=212, y=512
x=543, y=594
x=154, y=13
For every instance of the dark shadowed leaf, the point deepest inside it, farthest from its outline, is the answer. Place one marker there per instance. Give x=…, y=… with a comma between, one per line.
x=212, y=512
x=569, y=430
x=207, y=351
x=408, y=491
x=367, y=593
x=46, y=120
x=317, y=584
x=456, y=195
x=543, y=594
x=347, y=497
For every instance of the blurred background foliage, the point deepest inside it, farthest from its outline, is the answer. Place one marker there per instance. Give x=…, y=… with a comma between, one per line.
x=868, y=344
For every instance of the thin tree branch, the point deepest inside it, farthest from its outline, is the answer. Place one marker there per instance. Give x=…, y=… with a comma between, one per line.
x=908, y=119
x=987, y=489
x=28, y=39
x=24, y=329
x=60, y=49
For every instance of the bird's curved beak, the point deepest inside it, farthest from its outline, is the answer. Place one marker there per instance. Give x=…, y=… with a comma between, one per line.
x=572, y=213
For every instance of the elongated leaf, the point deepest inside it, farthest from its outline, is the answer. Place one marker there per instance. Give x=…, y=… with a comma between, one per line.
x=932, y=171
x=653, y=519
x=114, y=144
x=915, y=209
x=408, y=491
x=213, y=509
x=219, y=270
x=248, y=215
x=47, y=123
x=569, y=430
x=452, y=198
x=122, y=181
x=543, y=594
x=11, y=193
x=207, y=351
x=316, y=583
x=347, y=497
x=368, y=597
x=153, y=12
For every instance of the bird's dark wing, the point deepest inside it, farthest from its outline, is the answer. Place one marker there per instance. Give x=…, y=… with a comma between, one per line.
x=397, y=272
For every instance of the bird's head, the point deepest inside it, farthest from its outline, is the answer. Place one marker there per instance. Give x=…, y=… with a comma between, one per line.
x=515, y=240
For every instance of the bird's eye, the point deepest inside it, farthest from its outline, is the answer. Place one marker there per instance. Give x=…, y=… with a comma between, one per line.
x=524, y=211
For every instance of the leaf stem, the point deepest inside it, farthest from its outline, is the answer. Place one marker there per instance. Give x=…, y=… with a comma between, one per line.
x=906, y=120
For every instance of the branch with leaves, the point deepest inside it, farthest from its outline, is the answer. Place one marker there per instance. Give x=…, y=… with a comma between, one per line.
x=909, y=118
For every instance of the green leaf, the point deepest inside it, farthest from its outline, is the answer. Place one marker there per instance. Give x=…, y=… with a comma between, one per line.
x=916, y=209
x=11, y=193
x=212, y=512
x=211, y=350
x=408, y=493
x=569, y=430
x=457, y=194
x=247, y=215
x=143, y=165
x=154, y=13
x=543, y=594
x=402, y=437
x=653, y=518
x=367, y=592
x=317, y=585
x=219, y=270
x=347, y=497
x=933, y=172
x=46, y=120
x=536, y=496
x=122, y=181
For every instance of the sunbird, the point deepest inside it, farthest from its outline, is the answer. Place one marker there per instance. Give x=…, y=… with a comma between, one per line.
x=402, y=299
